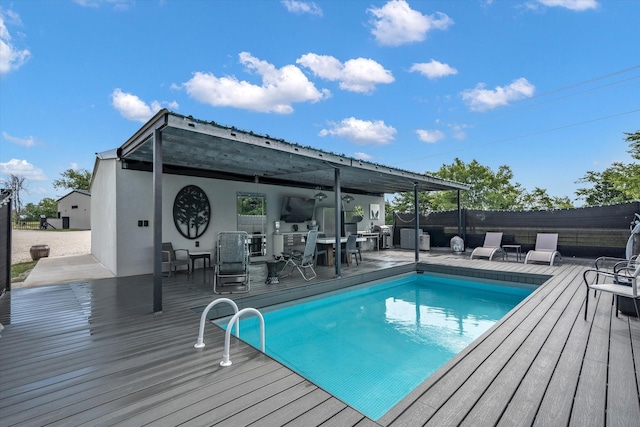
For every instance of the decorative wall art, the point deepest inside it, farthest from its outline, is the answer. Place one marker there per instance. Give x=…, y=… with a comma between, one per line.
x=191, y=212
x=374, y=211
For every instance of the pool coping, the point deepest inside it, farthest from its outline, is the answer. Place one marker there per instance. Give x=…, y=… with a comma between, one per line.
x=280, y=296
x=505, y=276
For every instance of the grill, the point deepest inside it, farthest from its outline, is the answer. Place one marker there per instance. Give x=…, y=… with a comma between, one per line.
x=385, y=235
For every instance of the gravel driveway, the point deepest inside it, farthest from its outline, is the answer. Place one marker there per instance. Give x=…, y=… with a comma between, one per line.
x=61, y=243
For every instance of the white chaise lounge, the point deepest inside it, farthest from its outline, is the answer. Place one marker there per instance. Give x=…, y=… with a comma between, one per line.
x=546, y=249
x=491, y=246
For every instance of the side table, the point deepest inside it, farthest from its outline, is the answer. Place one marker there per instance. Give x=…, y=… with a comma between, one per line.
x=272, y=273
x=205, y=256
x=516, y=249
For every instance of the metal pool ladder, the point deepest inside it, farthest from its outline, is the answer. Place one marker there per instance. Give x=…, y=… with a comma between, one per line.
x=203, y=319
x=227, y=336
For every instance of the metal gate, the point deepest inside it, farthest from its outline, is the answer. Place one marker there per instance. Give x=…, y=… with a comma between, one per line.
x=5, y=241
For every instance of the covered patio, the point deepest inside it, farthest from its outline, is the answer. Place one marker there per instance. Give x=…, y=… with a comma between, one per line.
x=170, y=143
x=91, y=353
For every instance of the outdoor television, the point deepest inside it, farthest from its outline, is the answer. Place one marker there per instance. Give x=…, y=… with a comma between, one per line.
x=297, y=209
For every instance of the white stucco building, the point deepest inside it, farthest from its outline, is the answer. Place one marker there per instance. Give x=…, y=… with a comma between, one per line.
x=74, y=210
x=122, y=239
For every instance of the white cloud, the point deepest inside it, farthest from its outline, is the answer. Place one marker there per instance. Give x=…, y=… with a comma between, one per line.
x=362, y=156
x=361, y=131
x=577, y=5
x=11, y=57
x=359, y=75
x=279, y=89
x=38, y=190
x=74, y=166
x=300, y=7
x=22, y=168
x=433, y=69
x=458, y=131
x=396, y=23
x=87, y=3
x=481, y=99
x=324, y=66
x=25, y=142
x=429, y=136
x=133, y=108
x=362, y=75
x=117, y=4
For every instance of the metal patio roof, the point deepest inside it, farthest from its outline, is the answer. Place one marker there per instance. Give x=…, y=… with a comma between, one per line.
x=188, y=143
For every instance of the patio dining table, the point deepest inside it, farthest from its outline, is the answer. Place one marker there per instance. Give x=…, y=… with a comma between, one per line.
x=330, y=242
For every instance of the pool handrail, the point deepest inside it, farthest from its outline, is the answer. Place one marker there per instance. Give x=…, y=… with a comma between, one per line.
x=227, y=335
x=203, y=319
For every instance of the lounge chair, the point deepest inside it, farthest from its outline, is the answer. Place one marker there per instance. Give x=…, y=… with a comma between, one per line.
x=303, y=261
x=232, y=265
x=491, y=246
x=174, y=258
x=623, y=283
x=546, y=249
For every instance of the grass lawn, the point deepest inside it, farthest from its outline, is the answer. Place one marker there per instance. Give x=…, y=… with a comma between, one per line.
x=20, y=271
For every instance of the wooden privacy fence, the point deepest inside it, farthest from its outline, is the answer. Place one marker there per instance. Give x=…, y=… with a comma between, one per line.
x=582, y=232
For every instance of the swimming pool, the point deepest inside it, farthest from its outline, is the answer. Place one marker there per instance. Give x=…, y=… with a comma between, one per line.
x=372, y=344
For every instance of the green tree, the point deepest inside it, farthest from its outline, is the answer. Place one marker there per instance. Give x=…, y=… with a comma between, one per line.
x=46, y=206
x=30, y=212
x=603, y=190
x=538, y=199
x=619, y=183
x=248, y=205
x=389, y=210
x=403, y=203
x=489, y=189
x=73, y=180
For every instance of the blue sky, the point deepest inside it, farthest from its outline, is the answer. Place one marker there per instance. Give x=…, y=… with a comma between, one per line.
x=547, y=87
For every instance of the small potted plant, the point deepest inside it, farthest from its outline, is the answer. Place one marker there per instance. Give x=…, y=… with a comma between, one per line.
x=358, y=213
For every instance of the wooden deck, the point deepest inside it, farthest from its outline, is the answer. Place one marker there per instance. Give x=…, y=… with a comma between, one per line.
x=92, y=353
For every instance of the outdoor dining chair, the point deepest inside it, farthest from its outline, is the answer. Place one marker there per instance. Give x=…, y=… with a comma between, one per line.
x=174, y=258
x=623, y=283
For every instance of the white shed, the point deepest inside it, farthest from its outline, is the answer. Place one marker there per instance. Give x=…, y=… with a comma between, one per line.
x=74, y=210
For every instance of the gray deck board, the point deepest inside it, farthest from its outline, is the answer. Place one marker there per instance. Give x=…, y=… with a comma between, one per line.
x=292, y=410
x=524, y=404
x=318, y=414
x=272, y=405
x=222, y=406
x=92, y=353
x=155, y=404
x=620, y=397
x=346, y=417
x=491, y=406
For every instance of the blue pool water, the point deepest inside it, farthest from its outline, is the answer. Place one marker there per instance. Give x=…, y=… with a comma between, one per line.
x=372, y=345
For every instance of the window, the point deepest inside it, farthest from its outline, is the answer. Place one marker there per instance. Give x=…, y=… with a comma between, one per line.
x=252, y=218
